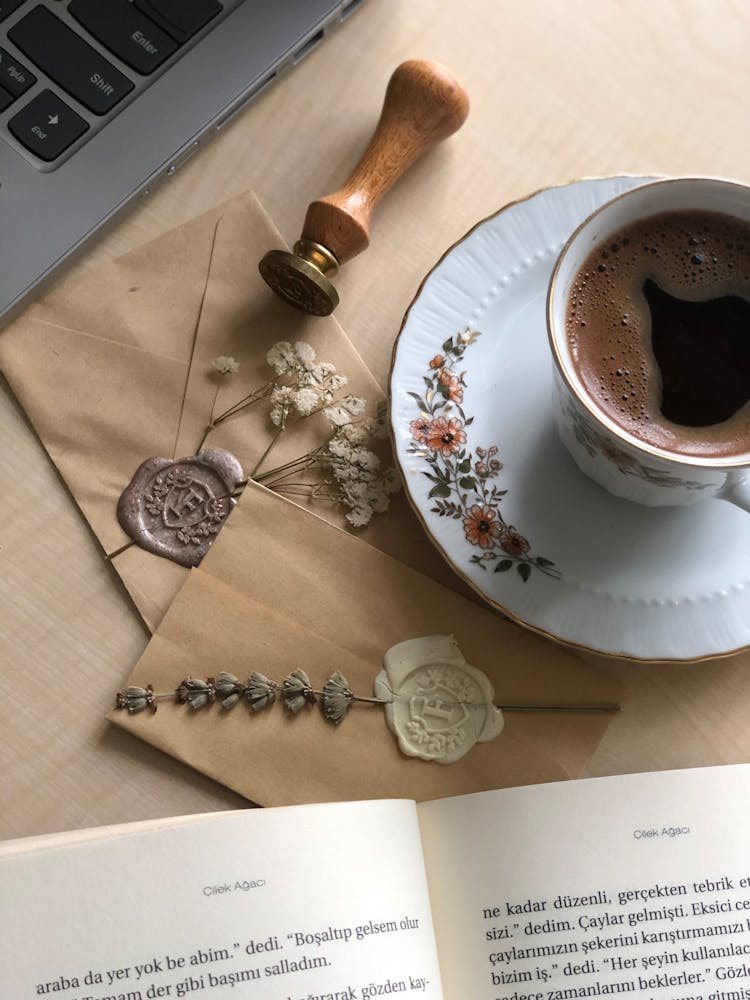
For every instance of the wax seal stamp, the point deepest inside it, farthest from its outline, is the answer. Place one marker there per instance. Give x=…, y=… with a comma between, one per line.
x=424, y=103
x=437, y=705
x=176, y=508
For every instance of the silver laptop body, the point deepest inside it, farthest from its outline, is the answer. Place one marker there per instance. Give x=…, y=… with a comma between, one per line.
x=119, y=145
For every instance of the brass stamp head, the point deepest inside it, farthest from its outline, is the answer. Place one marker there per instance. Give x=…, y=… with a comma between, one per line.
x=301, y=278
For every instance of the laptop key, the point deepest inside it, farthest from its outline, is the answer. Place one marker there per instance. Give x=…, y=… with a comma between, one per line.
x=181, y=18
x=5, y=99
x=8, y=6
x=69, y=61
x=13, y=76
x=132, y=36
x=47, y=126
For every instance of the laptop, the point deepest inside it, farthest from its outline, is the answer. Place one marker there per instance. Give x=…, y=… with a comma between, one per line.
x=102, y=99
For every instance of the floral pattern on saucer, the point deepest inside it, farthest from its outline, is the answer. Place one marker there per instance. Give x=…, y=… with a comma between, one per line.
x=462, y=478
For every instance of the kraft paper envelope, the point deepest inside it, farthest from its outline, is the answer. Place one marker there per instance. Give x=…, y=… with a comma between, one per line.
x=113, y=366
x=282, y=589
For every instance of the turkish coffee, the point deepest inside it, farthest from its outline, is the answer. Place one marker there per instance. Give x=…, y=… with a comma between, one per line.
x=658, y=326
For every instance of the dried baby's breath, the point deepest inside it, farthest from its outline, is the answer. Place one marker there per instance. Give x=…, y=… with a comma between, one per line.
x=305, y=401
x=225, y=364
x=344, y=410
x=287, y=359
x=348, y=473
x=282, y=404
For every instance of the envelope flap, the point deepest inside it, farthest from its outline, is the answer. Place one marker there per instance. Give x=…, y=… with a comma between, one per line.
x=283, y=589
x=148, y=298
x=113, y=366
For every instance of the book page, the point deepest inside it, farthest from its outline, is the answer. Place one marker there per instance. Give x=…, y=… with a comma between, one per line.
x=41, y=841
x=636, y=884
x=299, y=903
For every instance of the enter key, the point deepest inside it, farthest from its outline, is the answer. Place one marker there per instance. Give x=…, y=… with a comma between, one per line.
x=126, y=31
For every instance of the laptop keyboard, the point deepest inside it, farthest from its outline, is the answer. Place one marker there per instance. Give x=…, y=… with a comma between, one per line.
x=66, y=46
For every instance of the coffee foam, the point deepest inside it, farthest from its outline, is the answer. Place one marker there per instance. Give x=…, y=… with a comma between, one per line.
x=693, y=256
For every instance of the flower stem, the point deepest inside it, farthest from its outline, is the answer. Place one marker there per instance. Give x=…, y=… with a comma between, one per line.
x=206, y=432
x=111, y=555
x=290, y=468
x=213, y=405
x=241, y=404
x=304, y=490
x=371, y=701
x=288, y=487
x=210, y=425
x=604, y=706
x=272, y=481
x=266, y=453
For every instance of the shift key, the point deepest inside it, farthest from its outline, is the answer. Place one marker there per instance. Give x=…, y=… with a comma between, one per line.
x=72, y=63
x=47, y=126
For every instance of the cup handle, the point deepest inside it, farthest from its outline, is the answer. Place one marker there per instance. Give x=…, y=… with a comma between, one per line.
x=736, y=488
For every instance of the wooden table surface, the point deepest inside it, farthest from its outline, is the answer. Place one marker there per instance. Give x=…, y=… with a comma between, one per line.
x=560, y=89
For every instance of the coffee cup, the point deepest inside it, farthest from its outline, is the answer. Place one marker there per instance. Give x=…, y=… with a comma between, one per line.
x=648, y=315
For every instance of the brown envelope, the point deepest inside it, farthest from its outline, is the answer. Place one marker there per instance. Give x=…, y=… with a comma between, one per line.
x=113, y=366
x=282, y=589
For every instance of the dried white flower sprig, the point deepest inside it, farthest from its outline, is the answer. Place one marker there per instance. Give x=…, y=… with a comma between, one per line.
x=350, y=473
x=295, y=692
x=226, y=365
x=300, y=387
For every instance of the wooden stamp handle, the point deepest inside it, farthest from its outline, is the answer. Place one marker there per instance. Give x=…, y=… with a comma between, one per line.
x=424, y=103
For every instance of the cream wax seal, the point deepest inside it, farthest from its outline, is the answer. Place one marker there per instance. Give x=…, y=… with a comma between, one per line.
x=437, y=705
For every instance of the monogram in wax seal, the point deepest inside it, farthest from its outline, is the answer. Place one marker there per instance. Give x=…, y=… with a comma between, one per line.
x=176, y=508
x=437, y=705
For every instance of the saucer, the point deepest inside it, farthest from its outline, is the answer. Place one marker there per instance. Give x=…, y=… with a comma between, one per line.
x=471, y=393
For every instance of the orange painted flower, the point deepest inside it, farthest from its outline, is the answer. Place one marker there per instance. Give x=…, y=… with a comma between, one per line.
x=419, y=429
x=513, y=543
x=481, y=527
x=445, y=435
x=452, y=384
x=438, y=361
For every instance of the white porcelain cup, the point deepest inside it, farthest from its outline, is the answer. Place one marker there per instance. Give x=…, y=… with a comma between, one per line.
x=604, y=451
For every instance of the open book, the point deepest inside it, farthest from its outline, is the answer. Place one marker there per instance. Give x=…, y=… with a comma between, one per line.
x=636, y=884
